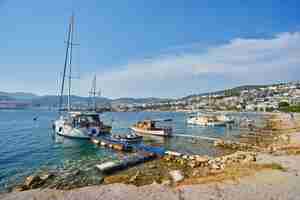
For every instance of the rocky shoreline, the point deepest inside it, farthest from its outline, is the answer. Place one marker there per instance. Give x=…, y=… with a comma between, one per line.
x=246, y=173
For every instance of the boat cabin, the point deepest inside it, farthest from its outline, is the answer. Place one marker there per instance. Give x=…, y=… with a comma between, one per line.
x=151, y=125
x=85, y=119
x=146, y=125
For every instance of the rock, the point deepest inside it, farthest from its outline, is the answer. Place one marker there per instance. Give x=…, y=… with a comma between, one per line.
x=20, y=188
x=216, y=171
x=133, y=178
x=168, y=158
x=202, y=159
x=46, y=176
x=200, y=172
x=152, y=166
x=192, y=157
x=176, y=175
x=32, y=181
x=181, y=162
x=222, y=166
x=166, y=182
x=192, y=164
x=215, y=166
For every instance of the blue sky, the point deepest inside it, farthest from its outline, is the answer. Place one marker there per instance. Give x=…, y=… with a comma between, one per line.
x=149, y=48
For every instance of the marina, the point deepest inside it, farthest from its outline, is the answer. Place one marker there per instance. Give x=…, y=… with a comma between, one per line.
x=66, y=155
x=150, y=100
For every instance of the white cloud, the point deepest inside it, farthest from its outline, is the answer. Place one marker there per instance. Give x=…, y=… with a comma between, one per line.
x=240, y=61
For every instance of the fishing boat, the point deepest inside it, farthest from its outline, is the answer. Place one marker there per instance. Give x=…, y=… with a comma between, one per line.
x=70, y=123
x=149, y=127
x=209, y=120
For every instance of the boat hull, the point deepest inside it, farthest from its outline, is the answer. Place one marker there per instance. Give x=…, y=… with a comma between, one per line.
x=151, y=132
x=205, y=124
x=78, y=133
x=73, y=136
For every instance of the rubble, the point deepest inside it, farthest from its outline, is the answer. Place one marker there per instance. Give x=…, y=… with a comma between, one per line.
x=235, y=145
x=213, y=164
x=176, y=175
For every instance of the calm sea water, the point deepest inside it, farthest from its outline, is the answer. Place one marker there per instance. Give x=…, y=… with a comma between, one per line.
x=27, y=145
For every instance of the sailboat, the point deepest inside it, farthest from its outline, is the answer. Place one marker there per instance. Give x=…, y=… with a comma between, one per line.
x=75, y=124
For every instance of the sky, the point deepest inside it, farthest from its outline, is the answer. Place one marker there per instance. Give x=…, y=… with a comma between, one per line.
x=142, y=48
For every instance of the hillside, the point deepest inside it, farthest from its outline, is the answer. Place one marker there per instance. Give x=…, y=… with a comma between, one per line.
x=18, y=95
x=234, y=90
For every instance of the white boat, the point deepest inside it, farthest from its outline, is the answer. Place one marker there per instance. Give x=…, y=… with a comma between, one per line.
x=149, y=127
x=81, y=125
x=209, y=120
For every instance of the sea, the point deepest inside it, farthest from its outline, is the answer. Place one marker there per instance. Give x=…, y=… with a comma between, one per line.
x=28, y=144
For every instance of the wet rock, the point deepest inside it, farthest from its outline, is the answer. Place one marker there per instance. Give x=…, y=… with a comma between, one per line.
x=46, y=176
x=33, y=181
x=176, y=175
x=20, y=188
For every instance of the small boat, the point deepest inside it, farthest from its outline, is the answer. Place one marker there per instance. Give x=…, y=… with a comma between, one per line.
x=225, y=118
x=149, y=127
x=123, y=138
x=209, y=120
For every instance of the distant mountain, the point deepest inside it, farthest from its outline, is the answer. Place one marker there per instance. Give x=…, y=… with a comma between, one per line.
x=19, y=95
x=51, y=100
x=6, y=98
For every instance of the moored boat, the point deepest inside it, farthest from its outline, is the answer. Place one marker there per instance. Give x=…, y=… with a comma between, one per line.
x=209, y=120
x=149, y=127
x=124, y=138
x=81, y=125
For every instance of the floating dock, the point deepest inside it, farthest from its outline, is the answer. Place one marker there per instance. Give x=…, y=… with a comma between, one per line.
x=112, y=166
x=112, y=145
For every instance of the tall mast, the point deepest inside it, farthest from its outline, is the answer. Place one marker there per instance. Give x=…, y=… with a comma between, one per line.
x=94, y=92
x=70, y=61
x=65, y=67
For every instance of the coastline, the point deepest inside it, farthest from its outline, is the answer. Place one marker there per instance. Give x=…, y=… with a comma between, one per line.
x=251, y=173
x=262, y=185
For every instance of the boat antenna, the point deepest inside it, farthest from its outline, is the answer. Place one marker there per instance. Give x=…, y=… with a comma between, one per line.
x=65, y=64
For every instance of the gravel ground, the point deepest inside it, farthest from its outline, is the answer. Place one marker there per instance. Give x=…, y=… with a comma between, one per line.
x=266, y=185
